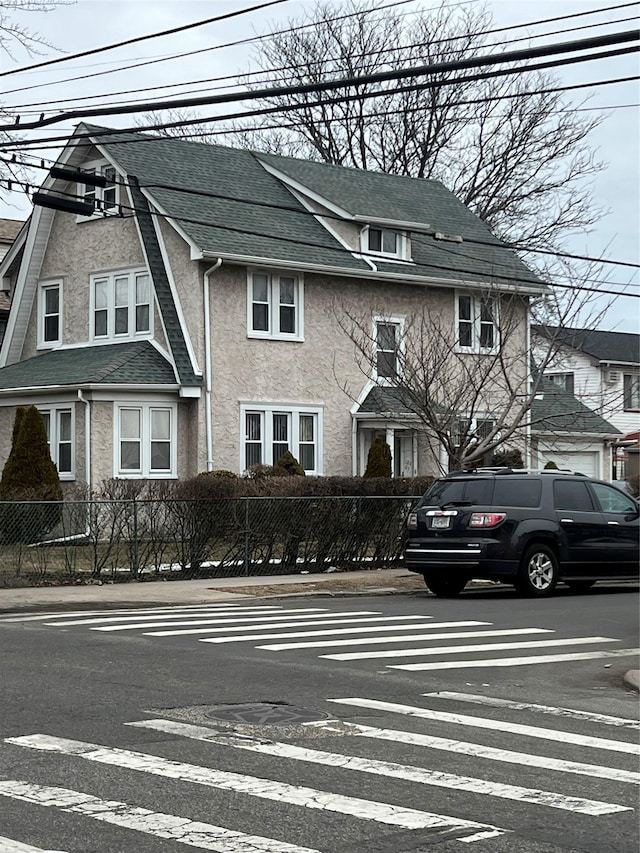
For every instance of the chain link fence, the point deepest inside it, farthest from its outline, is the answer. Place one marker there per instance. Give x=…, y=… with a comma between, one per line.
x=120, y=540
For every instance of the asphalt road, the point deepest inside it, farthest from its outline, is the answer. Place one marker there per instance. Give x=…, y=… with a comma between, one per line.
x=120, y=735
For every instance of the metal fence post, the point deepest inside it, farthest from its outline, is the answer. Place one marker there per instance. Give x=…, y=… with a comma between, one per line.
x=246, y=536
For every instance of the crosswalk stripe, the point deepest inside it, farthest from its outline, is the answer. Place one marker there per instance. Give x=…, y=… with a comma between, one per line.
x=222, y=615
x=497, y=725
x=474, y=664
x=369, y=641
x=346, y=618
x=477, y=750
x=479, y=699
x=8, y=845
x=386, y=768
x=265, y=622
x=281, y=792
x=478, y=647
x=42, y=617
x=378, y=628
x=204, y=836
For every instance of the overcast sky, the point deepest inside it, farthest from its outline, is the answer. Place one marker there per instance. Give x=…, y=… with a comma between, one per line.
x=88, y=24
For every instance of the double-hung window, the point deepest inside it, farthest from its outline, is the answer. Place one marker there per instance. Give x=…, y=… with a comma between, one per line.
x=58, y=423
x=121, y=304
x=477, y=323
x=387, y=337
x=145, y=440
x=563, y=381
x=275, y=306
x=50, y=314
x=268, y=432
x=103, y=199
x=631, y=386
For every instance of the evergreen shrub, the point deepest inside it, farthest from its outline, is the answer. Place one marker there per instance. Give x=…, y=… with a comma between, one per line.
x=378, y=459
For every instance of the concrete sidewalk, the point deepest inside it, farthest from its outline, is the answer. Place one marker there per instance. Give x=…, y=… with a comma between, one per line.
x=203, y=591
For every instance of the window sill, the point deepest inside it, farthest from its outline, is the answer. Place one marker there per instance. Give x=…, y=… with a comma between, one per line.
x=267, y=336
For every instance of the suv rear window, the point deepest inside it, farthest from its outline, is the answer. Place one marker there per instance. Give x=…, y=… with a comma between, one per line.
x=453, y=491
x=520, y=492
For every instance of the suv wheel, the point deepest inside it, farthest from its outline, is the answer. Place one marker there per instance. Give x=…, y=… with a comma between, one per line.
x=445, y=587
x=538, y=573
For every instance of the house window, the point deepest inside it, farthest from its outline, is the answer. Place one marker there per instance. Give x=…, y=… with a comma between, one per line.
x=476, y=318
x=50, y=310
x=387, y=339
x=268, y=432
x=562, y=380
x=385, y=241
x=58, y=423
x=631, y=392
x=145, y=441
x=121, y=305
x=102, y=198
x=275, y=306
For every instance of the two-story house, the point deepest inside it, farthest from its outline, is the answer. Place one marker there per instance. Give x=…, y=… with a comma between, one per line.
x=601, y=370
x=186, y=317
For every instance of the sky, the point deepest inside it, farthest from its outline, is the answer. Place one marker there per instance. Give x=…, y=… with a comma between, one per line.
x=87, y=24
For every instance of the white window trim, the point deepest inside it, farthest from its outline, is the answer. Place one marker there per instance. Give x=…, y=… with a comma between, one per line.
x=395, y=320
x=43, y=286
x=270, y=334
x=476, y=323
x=145, y=441
x=634, y=376
x=98, y=166
x=403, y=243
x=54, y=439
x=131, y=334
x=266, y=411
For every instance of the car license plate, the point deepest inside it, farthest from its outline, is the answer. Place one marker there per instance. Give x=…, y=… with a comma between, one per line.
x=440, y=522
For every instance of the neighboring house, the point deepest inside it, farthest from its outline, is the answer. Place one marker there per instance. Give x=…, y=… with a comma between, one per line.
x=9, y=230
x=602, y=371
x=566, y=432
x=186, y=320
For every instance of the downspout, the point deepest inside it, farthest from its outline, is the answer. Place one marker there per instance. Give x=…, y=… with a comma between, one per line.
x=87, y=438
x=207, y=362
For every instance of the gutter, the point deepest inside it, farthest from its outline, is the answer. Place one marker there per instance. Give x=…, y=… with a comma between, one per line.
x=207, y=362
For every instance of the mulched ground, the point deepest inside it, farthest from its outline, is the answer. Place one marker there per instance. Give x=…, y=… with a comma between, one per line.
x=336, y=584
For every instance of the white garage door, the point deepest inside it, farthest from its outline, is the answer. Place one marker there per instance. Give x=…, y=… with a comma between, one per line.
x=582, y=461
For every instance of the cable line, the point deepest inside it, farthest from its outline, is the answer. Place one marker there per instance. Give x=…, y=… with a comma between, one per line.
x=384, y=76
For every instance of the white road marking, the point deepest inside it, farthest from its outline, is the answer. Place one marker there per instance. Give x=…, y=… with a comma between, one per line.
x=171, y=608
x=327, y=619
x=377, y=628
x=478, y=750
x=456, y=650
x=572, y=713
x=8, y=845
x=253, y=786
x=464, y=664
x=204, y=836
x=195, y=618
x=389, y=769
x=497, y=725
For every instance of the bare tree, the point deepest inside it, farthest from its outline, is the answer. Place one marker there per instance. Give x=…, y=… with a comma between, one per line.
x=467, y=405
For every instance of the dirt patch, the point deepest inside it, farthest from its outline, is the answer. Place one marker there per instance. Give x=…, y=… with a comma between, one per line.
x=344, y=584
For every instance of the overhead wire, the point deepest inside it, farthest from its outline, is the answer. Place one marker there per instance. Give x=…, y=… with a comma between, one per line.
x=245, y=77
x=475, y=62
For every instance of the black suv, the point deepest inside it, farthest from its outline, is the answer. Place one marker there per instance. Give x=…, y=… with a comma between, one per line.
x=529, y=529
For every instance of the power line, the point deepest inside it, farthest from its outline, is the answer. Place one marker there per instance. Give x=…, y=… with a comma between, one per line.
x=385, y=76
x=137, y=39
x=332, y=248
x=311, y=63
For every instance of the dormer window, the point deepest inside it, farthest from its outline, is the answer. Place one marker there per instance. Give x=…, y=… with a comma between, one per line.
x=385, y=242
x=105, y=198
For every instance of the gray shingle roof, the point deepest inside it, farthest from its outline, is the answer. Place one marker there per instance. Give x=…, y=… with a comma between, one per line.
x=614, y=347
x=137, y=363
x=558, y=411
x=382, y=400
x=263, y=229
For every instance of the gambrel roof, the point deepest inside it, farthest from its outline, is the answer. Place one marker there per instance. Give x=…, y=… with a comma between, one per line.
x=238, y=204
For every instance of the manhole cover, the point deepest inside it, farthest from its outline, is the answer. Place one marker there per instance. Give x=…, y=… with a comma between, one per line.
x=265, y=713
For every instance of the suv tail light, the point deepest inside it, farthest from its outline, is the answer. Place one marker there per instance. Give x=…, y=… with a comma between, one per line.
x=486, y=519
x=412, y=521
